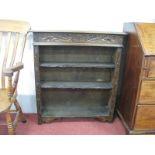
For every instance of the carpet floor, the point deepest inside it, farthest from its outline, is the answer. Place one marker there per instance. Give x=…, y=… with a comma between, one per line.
x=67, y=127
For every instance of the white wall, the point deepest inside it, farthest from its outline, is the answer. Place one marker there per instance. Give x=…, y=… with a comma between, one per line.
x=85, y=15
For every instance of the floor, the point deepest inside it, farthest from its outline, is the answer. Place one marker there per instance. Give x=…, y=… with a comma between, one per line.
x=68, y=127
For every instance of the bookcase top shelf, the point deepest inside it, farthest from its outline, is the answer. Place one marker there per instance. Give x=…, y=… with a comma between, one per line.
x=75, y=32
x=75, y=44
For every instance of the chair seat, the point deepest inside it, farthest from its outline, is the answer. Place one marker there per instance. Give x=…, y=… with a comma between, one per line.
x=4, y=100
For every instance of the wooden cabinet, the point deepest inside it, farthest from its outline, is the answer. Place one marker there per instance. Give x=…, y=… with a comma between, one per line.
x=77, y=74
x=137, y=108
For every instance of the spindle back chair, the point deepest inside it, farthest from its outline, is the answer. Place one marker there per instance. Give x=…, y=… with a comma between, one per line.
x=12, y=43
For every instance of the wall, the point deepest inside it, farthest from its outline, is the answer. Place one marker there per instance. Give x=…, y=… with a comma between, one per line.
x=85, y=15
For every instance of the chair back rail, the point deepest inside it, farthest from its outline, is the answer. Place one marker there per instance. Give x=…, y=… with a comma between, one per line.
x=12, y=43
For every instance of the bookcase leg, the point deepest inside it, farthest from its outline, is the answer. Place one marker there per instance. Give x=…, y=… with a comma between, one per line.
x=48, y=120
x=105, y=119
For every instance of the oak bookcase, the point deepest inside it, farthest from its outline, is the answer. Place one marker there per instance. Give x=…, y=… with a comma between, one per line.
x=77, y=74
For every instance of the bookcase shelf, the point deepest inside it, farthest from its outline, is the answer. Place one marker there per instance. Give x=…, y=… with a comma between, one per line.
x=75, y=44
x=77, y=65
x=76, y=85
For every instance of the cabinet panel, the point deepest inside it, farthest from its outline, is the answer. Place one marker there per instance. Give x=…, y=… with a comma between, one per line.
x=145, y=117
x=132, y=71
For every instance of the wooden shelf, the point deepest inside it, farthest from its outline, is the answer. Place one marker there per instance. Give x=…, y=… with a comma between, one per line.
x=75, y=44
x=64, y=110
x=81, y=32
x=77, y=65
x=76, y=85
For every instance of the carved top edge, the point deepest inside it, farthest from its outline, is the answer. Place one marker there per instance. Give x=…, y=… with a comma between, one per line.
x=97, y=38
x=94, y=32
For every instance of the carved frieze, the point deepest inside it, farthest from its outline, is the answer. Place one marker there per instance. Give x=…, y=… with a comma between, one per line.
x=78, y=38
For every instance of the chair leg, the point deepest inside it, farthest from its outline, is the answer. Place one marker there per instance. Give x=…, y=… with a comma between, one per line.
x=21, y=115
x=9, y=123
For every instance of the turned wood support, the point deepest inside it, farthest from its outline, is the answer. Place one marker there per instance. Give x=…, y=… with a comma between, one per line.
x=21, y=115
x=10, y=88
x=9, y=123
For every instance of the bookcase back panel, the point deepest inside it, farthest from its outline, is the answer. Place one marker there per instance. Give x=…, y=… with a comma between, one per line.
x=76, y=54
x=64, y=102
x=76, y=74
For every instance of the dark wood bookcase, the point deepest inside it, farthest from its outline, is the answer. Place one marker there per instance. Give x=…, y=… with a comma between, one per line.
x=77, y=74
